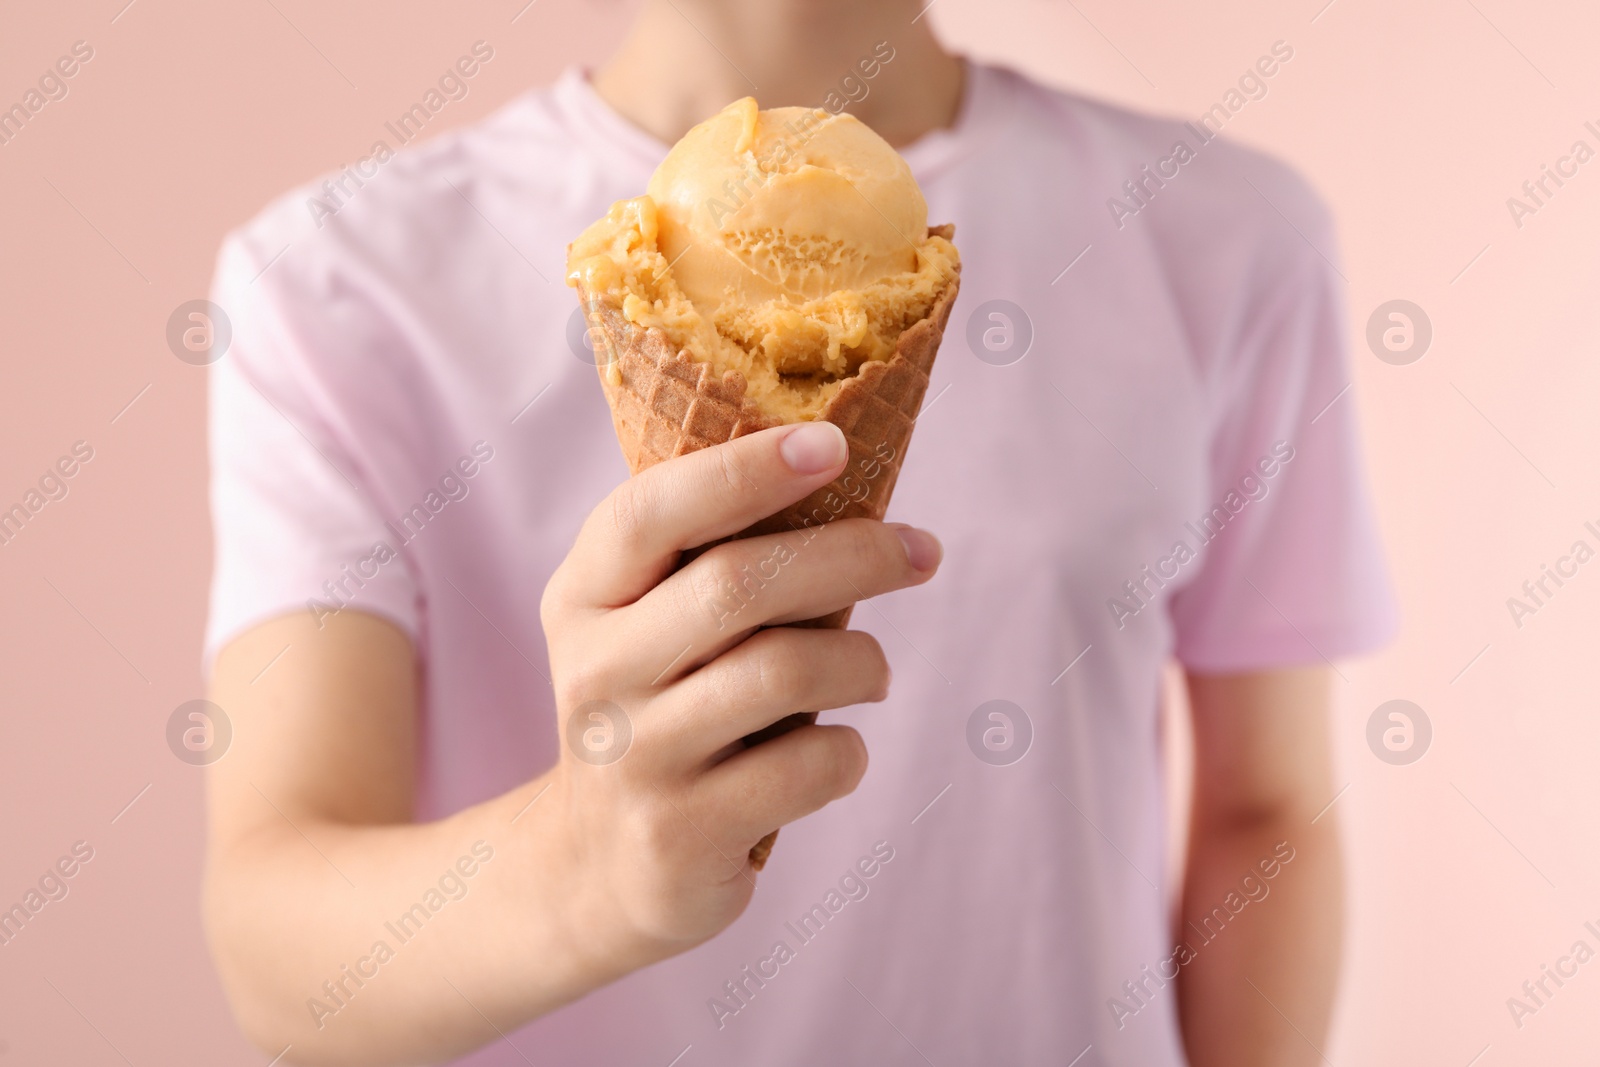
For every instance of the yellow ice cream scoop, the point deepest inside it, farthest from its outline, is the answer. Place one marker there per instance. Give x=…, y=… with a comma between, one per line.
x=790, y=245
x=793, y=204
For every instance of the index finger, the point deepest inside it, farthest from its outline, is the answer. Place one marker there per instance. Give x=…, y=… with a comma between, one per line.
x=632, y=540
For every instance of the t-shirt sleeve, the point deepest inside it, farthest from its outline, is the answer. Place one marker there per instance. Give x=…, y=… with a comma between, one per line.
x=1293, y=571
x=294, y=527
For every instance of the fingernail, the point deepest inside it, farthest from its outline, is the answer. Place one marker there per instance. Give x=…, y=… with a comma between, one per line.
x=923, y=550
x=814, y=447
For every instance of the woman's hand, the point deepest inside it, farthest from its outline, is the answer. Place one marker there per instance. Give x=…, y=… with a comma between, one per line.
x=659, y=672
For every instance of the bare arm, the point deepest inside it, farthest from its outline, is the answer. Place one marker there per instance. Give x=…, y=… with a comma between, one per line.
x=315, y=864
x=1259, y=989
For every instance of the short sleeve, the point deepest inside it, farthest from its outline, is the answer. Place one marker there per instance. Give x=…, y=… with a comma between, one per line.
x=294, y=527
x=1292, y=569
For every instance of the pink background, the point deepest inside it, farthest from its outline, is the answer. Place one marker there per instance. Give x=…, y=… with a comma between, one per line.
x=1470, y=868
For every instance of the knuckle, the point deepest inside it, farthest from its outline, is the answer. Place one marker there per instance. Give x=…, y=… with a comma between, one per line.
x=723, y=566
x=871, y=652
x=728, y=472
x=713, y=577
x=581, y=682
x=691, y=604
x=848, y=760
x=868, y=549
x=826, y=764
x=866, y=645
x=554, y=600
x=780, y=668
x=655, y=829
x=888, y=550
x=550, y=604
x=625, y=513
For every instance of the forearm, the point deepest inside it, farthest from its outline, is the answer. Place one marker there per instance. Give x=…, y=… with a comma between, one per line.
x=1259, y=987
x=315, y=858
x=375, y=945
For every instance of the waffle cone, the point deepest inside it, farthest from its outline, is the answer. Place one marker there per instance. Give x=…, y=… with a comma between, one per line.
x=668, y=404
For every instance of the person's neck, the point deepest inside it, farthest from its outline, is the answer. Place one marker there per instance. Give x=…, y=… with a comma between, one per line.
x=684, y=60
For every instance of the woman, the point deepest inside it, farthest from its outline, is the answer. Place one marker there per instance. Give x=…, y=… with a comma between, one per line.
x=1131, y=451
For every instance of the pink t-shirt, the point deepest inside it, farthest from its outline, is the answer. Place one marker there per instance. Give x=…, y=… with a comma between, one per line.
x=1144, y=451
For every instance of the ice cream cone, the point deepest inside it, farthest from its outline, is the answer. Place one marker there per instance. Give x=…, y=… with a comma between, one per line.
x=664, y=403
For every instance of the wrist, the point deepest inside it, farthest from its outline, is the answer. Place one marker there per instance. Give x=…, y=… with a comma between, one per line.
x=588, y=926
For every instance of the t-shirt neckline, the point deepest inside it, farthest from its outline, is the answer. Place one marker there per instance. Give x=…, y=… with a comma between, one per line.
x=606, y=131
